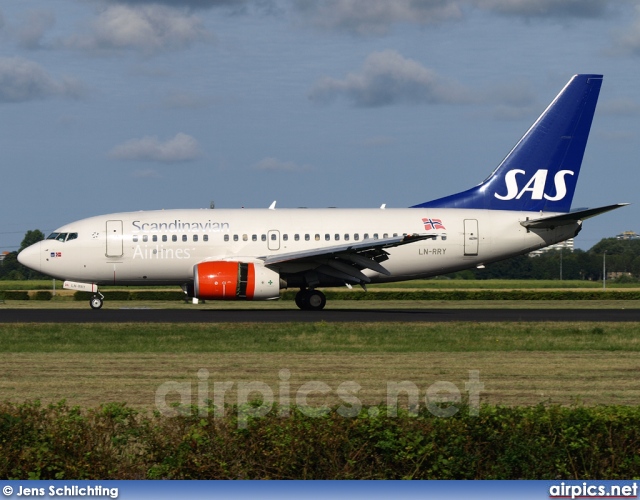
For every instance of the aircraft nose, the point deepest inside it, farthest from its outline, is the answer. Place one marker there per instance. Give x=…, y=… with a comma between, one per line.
x=31, y=255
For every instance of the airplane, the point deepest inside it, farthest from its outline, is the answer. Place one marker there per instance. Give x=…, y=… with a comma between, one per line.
x=251, y=254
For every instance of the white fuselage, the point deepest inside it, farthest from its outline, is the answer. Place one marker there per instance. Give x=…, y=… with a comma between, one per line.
x=162, y=247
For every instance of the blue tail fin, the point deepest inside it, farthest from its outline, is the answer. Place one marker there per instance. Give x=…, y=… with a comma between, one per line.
x=541, y=171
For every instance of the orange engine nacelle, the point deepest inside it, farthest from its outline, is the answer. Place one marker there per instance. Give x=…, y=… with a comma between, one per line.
x=234, y=281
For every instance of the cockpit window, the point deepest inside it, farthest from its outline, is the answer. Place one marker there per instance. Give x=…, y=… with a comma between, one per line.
x=62, y=236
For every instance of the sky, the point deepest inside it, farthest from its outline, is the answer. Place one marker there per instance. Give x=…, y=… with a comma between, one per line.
x=122, y=105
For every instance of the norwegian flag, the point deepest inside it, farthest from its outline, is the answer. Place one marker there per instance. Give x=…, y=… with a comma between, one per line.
x=433, y=224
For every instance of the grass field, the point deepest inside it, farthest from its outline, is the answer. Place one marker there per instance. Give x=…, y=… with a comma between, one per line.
x=518, y=363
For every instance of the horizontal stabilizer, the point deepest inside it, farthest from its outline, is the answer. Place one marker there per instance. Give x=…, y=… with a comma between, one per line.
x=570, y=218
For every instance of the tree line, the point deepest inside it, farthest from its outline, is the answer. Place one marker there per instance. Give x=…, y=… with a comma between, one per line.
x=622, y=256
x=11, y=269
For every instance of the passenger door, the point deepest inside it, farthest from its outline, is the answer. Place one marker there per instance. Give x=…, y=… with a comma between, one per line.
x=114, y=238
x=471, y=237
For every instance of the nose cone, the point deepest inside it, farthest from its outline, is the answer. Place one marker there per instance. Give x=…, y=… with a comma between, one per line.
x=30, y=256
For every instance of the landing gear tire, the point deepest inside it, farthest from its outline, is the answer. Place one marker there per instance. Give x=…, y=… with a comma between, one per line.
x=310, y=300
x=96, y=301
x=301, y=299
x=316, y=300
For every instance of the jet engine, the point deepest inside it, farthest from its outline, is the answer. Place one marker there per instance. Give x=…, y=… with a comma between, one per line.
x=223, y=280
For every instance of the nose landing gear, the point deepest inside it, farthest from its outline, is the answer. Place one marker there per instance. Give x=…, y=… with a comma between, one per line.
x=96, y=300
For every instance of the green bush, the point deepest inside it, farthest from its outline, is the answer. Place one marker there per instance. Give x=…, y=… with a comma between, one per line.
x=15, y=295
x=117, y=442
x=42, y=295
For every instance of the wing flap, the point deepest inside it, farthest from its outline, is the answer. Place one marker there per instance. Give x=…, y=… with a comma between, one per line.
x=352, y=248
x=346, y=262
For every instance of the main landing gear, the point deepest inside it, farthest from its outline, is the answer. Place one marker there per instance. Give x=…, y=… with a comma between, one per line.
x=96, y=300
x=310, y=300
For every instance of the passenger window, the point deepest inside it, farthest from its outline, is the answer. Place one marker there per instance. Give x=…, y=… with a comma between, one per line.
x=205, y=237
x=356, y=236
x=245, y=237
x=184, y=237
x=307, y=237
x=154, y=237
x=254, y=237
x=317, y=237
x=395, y=235
x=263, y=237
x=443, y=237
x=327, y=237
x=195, y=237
x=135, y=238
x=375, y=236
x=337, y=237
x=296, y=237
x=346, y=237
x=235, y=237
x=145, y=238
x=174, y=237
x=273, y=237
x=385, y=235
x=285, y=237
x=226, y=237
x=365, y=236
x=164, y=237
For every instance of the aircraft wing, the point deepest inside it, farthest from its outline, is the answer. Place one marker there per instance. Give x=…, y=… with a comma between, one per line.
x=346, y=261
x=569, y=218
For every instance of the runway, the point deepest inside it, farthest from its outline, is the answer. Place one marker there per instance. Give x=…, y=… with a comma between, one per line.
x=333, y=316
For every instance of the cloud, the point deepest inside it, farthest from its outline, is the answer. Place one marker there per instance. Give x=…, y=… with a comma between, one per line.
x=374, y=17
x=147, y=28
x=513, y=100
x=628, y=42
x=30, y=33
x=275, y=165
x=557, y=9
x=181, y=148
x=185, y=100
x=387, y=78
x=22, y=80
x=194, y=4
x=232, y=6
x=620, y=107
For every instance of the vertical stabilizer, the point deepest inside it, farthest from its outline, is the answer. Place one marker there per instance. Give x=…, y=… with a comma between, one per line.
x=541, y=171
